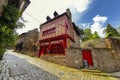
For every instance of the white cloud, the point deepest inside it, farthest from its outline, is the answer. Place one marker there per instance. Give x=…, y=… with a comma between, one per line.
x=98, y=24
x=81, y=5
x=100, y=19
x=39, y=9
x=84, y=25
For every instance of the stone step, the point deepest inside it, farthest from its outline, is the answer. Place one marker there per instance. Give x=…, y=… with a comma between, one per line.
x=88, y=70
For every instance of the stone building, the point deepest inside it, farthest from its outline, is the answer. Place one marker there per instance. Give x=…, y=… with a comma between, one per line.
x=19, y=42
x=57, y=34
x=28, y=42
x=58, y=38
x=20, y=4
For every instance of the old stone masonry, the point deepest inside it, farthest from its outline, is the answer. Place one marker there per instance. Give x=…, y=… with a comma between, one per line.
x=15, y=68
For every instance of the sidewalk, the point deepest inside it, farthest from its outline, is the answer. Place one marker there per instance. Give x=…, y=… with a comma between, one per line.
x=62, y=72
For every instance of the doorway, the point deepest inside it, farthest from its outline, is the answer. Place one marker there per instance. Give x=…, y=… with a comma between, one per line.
x=87, y=57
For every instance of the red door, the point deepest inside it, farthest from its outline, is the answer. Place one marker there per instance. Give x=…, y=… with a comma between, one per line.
x=86, y=54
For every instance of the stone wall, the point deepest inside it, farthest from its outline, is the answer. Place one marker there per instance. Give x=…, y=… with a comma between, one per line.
x=103, y=59
x=105, y=52
x=98, y=43
x=30, y=39
x=115, y=48
x=73, y=58
x=29, y=42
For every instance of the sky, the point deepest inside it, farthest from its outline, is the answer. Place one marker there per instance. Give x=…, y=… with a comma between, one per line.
x=93, y=14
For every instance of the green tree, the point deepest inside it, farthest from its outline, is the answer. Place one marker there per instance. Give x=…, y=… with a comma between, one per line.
x=118, y=29
x=8, y=25
x=87, y=34
x=110, y=31
x=10, y=16
x=95, y=35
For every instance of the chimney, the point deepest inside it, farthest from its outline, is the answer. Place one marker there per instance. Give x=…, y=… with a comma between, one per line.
x=48, y=18
x=69, y=13
x=55, y=14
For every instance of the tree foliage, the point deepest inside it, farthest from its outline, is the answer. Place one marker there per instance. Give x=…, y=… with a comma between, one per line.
x=110, y=31
x=8, y=21
x=118, y=29
x=95, y=35
x=10, y=16
x=88, y=35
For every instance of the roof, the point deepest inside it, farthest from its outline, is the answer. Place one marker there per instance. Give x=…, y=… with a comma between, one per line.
x=68, y=14
x=55, y=18
x=77, y=29
x=28, y=1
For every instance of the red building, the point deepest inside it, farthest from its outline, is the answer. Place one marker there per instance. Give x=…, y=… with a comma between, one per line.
x=57, y=34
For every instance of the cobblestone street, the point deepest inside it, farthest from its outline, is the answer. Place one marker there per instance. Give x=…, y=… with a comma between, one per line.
x=21, y=67
x=30, y=72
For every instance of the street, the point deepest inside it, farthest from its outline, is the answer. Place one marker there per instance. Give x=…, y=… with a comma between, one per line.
x=31, y=72
x=22, y=67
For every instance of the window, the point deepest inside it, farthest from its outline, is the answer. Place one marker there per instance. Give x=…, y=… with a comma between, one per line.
x=47, y=32
x=57, y=49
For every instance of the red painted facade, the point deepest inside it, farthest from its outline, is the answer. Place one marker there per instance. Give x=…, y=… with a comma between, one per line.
x=56, y=35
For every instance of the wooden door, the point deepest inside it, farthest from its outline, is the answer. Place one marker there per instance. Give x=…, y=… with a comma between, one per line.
x=86, y=55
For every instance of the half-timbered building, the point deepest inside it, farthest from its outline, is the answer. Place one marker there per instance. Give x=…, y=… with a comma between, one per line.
x=57, y=34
